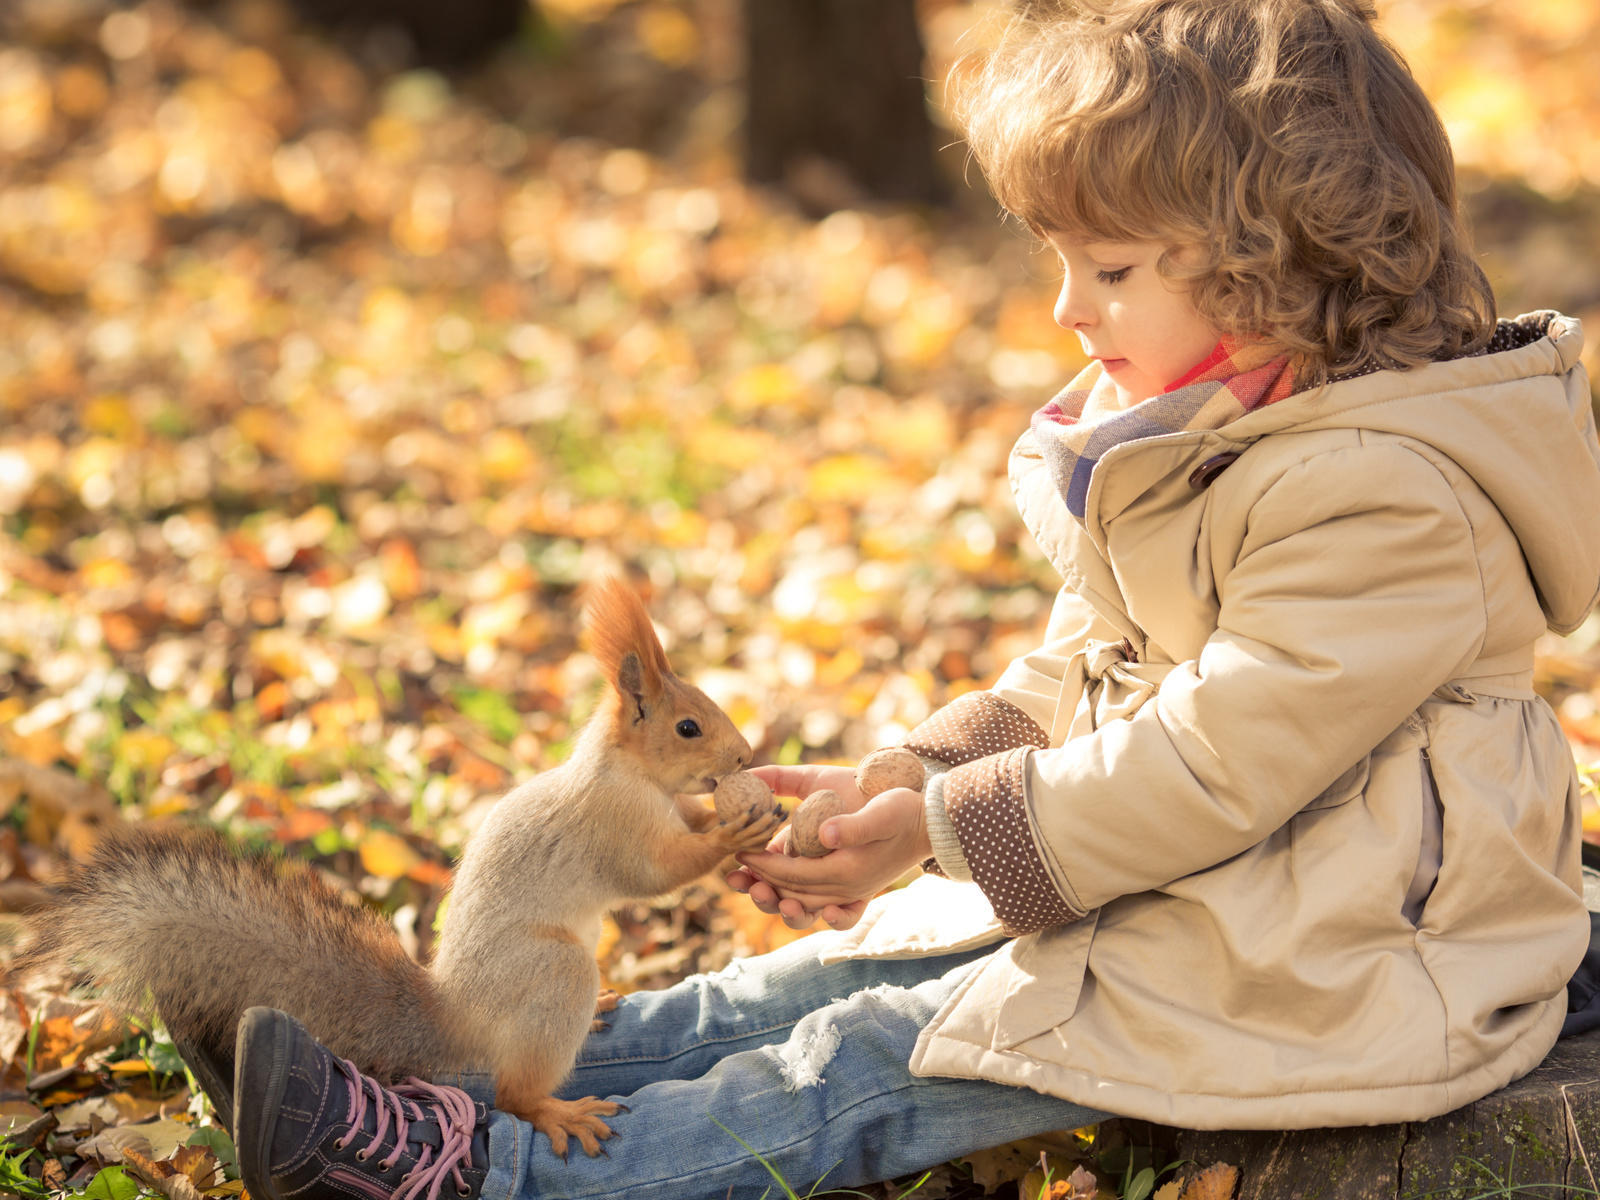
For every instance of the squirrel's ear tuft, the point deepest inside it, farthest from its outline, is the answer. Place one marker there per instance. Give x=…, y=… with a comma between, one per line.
x=629, y=682
x=624, y=642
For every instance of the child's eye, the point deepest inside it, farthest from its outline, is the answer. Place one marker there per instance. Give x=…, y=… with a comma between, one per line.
x=1116, y=276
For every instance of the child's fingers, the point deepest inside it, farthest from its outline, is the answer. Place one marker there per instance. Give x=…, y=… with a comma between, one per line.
x=765, y=897
x=762, y=894
x=881, y=818
x=795, y=915
x=842, y=916
x=801, y=781
x=796, y=874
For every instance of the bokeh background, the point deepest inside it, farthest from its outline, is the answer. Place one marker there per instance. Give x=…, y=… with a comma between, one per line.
x=333, y=361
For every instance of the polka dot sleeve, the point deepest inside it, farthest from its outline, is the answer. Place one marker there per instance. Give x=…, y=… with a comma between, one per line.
x=975, y=726
x=986, y=801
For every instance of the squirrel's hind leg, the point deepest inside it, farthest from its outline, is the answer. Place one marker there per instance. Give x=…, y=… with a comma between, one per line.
x=560, y=1120
x=523, y=1089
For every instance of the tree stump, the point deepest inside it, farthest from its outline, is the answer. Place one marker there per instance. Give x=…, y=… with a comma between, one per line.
x=1540, y=1133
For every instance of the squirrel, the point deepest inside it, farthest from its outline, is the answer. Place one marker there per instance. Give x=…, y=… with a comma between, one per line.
x=176, y=914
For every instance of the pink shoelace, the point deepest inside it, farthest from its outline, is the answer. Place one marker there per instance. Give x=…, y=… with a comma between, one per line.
x=453, y=1109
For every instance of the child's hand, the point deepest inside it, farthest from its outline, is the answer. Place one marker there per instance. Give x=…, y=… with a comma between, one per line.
x=873, y=843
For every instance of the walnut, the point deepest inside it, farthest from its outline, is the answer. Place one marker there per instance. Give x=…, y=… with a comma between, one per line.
x=741, y=794
x=893, y=767
x=808, y=817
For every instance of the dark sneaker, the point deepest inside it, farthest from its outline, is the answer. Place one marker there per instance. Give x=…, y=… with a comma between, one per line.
x=214, y=1074
x=311, y=1126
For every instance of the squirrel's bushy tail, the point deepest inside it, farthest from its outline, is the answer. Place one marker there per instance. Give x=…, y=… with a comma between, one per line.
x=178, y=917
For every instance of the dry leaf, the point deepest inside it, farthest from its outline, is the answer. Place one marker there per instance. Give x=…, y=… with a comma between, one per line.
x=199, y=1165
x=55, y=798
x=1215, y=1182
x=154, y=1140
x=14, y=1026
x=1081, y=1185
x=71, y=1032
x=132, y=1108
x=161, y=1174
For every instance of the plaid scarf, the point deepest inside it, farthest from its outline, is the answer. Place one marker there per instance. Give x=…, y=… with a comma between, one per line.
x=1083, y=421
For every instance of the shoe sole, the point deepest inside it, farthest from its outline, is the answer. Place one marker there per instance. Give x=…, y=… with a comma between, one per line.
x=208, y=1073
x=258, y=1033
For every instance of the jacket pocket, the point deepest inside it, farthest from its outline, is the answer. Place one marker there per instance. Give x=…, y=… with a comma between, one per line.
x=1430, y=844
x=1046, y=981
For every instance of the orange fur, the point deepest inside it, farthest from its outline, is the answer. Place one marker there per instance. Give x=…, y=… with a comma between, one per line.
x=616, y=625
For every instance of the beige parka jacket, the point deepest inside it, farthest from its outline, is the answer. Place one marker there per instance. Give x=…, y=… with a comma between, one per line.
x=1312, y=838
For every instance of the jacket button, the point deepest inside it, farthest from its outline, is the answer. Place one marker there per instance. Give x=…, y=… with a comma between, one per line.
x=1200, y=478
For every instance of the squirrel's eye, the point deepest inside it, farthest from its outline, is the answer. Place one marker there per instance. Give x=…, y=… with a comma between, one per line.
x=688, y=728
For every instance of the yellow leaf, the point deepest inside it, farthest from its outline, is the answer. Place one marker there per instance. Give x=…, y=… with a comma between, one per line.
x=387, y=855
x=730, y=446
x=916, y=431
x=507, y=457
x=681, y=527
x=669, y=35
x=110, y=415
x=106, y=573
x=145, y=749
x=851, y=478
x=320, y=445
x=765, y=386
x=91, y=466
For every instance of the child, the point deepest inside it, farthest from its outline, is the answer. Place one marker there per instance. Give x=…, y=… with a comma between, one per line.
x=1271, y=830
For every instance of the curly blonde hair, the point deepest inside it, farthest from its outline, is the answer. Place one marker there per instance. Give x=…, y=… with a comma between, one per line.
x=1282, y=143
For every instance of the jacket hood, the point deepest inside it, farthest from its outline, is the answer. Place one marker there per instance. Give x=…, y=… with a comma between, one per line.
x=1517, y=418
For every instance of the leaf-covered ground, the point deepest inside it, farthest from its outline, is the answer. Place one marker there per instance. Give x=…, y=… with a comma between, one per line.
x=325, y=382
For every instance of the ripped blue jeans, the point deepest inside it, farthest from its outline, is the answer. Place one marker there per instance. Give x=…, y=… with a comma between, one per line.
x=803, y=1063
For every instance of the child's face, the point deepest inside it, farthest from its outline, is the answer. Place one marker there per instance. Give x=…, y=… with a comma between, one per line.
x=1141, y=326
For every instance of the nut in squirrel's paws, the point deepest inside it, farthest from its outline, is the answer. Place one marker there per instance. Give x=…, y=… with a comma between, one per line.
x=749, y=812
x=739, y=795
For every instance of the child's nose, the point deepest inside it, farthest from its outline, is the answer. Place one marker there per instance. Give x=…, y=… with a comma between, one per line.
x=1070, y=311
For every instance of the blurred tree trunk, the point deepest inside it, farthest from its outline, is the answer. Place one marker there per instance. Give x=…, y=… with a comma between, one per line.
x=838, y=82
x=441, y=32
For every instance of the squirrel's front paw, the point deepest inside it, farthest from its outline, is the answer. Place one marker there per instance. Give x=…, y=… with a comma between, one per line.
x=754, y=829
